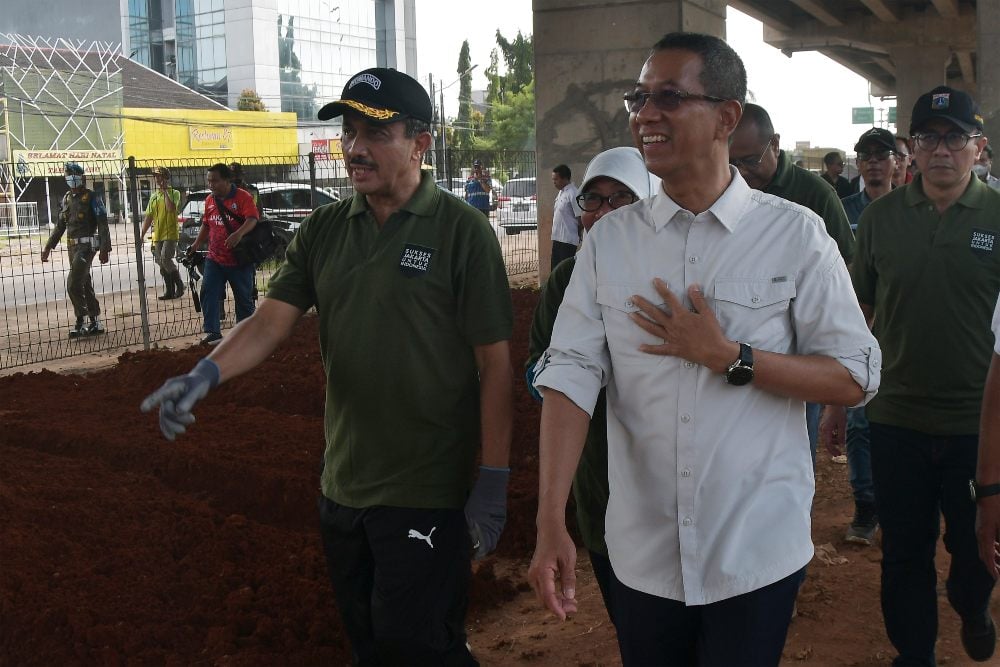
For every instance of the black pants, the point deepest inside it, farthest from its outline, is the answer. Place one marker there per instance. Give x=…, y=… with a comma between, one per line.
x=748, y=629
x=400, y=577
x=561, y=251
x=601, y=565
x=918, y=477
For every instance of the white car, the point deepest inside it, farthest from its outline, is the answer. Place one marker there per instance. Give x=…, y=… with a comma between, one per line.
x=518, y=206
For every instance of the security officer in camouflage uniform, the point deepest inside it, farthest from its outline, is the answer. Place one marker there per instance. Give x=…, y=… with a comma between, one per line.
x=84, y=219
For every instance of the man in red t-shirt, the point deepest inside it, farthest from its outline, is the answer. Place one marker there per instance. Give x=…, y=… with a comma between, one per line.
x=224, y=230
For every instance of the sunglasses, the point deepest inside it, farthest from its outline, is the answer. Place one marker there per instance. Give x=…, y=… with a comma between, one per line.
x=878, y=156
x=591, y=201
x=664, y=100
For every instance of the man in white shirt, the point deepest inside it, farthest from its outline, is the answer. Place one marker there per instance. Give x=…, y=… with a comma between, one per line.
x=711, y=312
x=565, y=223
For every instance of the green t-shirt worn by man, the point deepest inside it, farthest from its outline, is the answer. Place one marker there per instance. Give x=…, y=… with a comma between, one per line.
x=590, y=483
x=400, y=309
x=805, y=188
x=932, y=280
x=164, y=222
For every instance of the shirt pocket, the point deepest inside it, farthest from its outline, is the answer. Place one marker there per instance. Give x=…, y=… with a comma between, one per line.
x=623, y=335
x=755, y=311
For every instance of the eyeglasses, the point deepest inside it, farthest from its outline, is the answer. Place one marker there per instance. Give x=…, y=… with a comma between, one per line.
x=750, y=163
x=591, y=201
x=953, y=141
x=878, y=156
x=664, y=100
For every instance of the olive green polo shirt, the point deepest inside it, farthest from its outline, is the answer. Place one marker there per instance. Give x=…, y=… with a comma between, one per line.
x=590, y=483
x=805, y=188
x=933, y=280
x=401, y=309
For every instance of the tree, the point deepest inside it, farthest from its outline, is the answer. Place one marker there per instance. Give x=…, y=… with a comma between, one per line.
x=250, y=101
x=513, y=122
x=463, y=128
x=519, y=55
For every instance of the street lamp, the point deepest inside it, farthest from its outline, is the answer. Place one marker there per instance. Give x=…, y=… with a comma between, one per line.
x=444, y=132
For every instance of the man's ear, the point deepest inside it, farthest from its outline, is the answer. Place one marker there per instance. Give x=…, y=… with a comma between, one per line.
x=730, y=113
x=423, y=142
x=776, y=143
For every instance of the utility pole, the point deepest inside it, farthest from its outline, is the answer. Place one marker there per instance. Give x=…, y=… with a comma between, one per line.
x=434, y=159
x=444, y=141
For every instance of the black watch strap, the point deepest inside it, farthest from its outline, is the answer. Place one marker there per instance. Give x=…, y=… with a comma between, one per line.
x=980, y=491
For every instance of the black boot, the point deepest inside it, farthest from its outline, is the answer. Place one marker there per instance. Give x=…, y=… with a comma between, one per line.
x=94, y=326
x=178, y=284
x=169, y=292
x=78, y=329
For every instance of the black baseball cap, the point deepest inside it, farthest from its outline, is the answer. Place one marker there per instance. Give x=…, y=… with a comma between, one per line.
x=950, y=104
x=382, y=95
x=879, y=136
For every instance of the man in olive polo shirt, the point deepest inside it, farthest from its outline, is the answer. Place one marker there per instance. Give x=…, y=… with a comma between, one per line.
x=415, y=316
x=755, y=151
x=927, y=274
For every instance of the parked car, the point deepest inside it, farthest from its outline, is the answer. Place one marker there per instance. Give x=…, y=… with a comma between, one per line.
x=518, y=206
x=285, y=204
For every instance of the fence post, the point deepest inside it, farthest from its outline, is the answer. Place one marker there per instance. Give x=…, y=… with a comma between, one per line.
x=140, y=272
x=312, y=180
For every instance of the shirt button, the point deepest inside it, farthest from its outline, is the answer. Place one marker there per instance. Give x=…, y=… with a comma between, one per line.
x=628, y=304
x=693, y=260
x=686, y=472
x=687, y=521
x=756, y=299
x=685, y=418
x=688, y=364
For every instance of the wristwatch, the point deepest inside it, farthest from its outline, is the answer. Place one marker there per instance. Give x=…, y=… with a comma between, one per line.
x=980, y=491
x=740, y=372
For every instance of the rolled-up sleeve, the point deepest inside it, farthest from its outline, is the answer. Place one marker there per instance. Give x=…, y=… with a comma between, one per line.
x=828, y=320
x=577, y=362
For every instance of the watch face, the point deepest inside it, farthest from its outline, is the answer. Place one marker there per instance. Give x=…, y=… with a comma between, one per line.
x=739, y=375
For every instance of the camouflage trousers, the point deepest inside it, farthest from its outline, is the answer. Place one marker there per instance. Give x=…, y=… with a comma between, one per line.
x=79, y=286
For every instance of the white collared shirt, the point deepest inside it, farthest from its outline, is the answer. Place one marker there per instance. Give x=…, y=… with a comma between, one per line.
x=711, y=484
x=565, y=226
x=996, y=328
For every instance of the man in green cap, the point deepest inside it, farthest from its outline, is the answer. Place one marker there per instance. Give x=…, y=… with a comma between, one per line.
x=84, y=220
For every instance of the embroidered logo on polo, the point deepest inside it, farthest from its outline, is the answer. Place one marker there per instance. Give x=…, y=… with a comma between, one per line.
x=983, y=241
x=415, y=260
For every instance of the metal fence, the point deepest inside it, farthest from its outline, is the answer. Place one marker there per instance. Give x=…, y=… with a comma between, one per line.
x=37, y=311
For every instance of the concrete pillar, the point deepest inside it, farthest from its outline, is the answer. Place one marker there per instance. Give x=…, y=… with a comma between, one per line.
x=587, y=54
x=919, y=69
x=988, y=67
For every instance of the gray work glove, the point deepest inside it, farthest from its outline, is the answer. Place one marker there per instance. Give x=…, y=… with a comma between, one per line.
x=179, y=394
x=486, y=509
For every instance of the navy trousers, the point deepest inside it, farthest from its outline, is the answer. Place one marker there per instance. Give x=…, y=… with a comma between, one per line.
x=748, y=629
x=918, y=477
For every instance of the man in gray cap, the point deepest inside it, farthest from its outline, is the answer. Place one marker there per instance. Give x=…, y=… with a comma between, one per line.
x=84, y=220
x=927, y=275
x=415, y=317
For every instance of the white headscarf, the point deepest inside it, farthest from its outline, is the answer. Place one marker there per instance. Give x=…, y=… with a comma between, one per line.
x=624, y=164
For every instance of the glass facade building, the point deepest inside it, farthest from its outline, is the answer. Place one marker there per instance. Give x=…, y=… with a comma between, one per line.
x=201, y=47
x=319, y=46
x=296, y=54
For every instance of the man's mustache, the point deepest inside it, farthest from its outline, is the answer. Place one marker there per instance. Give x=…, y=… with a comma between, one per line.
x=361, y=162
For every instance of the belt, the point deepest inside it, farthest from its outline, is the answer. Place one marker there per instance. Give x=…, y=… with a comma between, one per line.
x=89, y=240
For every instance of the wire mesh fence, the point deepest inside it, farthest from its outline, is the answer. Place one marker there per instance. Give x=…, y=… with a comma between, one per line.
x=38, y=314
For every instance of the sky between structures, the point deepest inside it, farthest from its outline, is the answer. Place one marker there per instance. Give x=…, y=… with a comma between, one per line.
x=808, y=95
